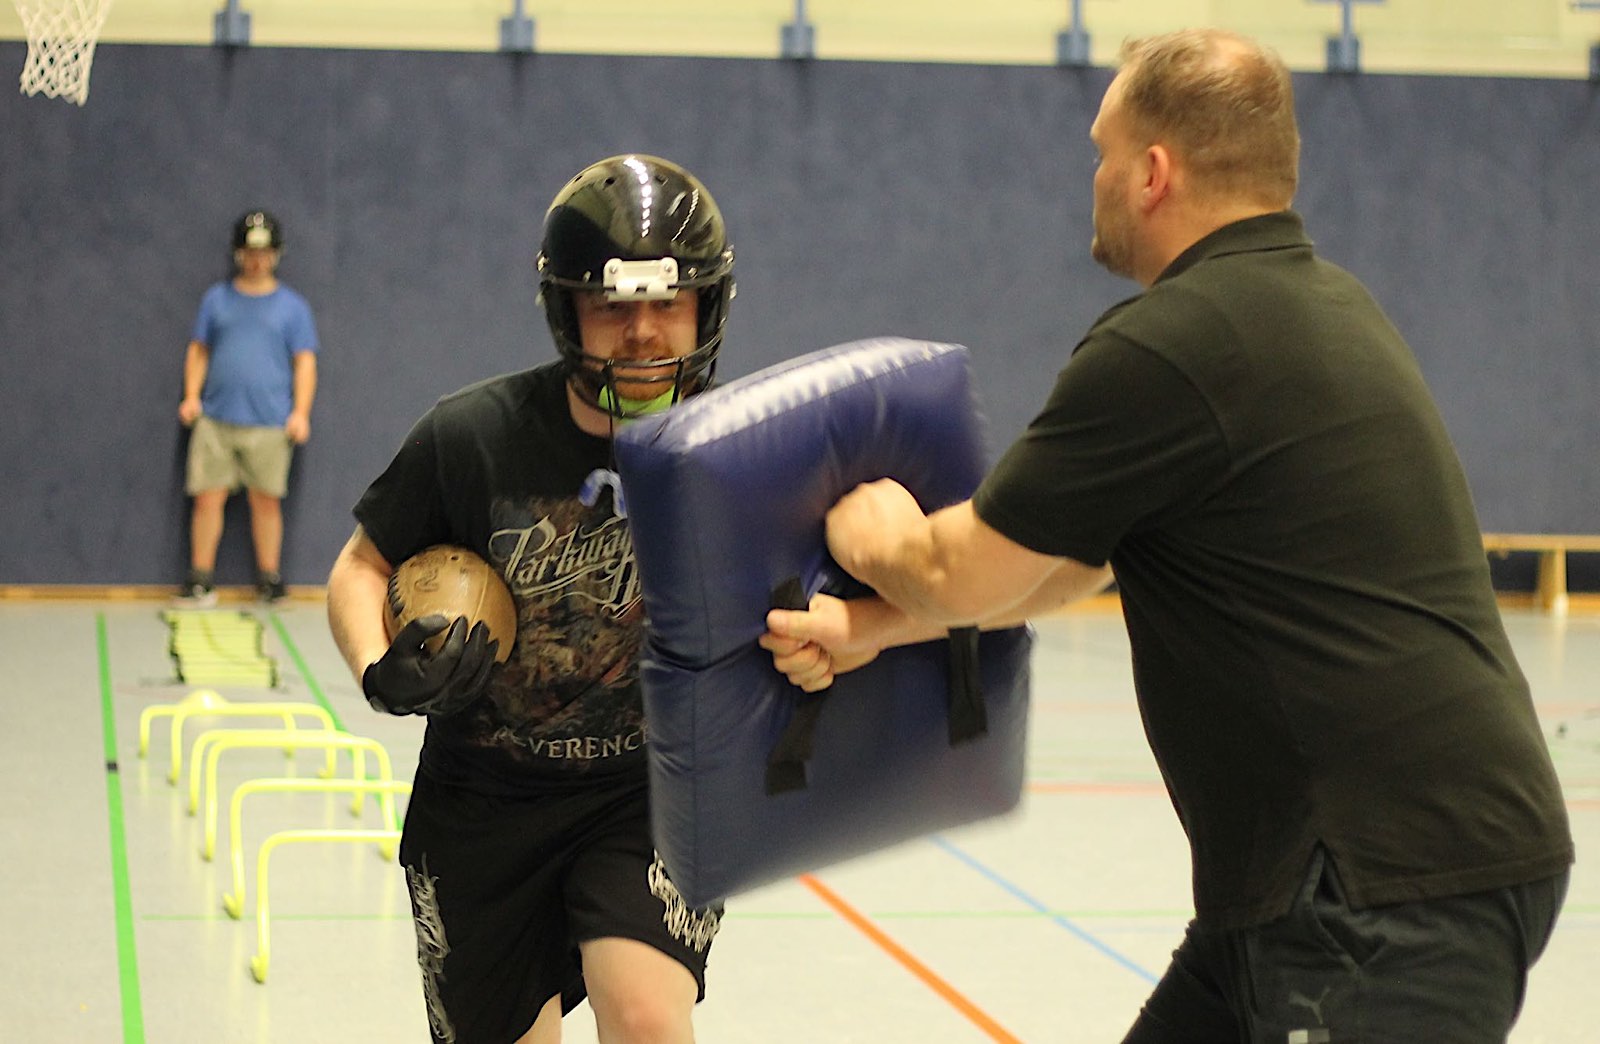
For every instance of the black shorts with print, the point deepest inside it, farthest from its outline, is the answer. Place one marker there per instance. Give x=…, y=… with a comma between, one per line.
x=504, y=889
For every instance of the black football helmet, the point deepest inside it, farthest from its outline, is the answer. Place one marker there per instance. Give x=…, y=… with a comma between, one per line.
x=257, y=229
x=638, y=228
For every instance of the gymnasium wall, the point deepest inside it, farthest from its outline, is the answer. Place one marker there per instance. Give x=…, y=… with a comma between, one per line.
x=941, y=201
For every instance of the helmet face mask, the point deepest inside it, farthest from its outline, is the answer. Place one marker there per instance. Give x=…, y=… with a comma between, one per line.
x=629, y=388
x=635, y=228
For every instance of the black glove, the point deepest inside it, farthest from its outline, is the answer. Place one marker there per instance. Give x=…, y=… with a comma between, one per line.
x=411, y=680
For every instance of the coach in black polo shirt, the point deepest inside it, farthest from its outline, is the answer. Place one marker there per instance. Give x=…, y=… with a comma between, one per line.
x=1380, y=844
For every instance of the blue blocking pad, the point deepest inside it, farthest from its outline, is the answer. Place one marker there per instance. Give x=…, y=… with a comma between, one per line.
x=726, y=495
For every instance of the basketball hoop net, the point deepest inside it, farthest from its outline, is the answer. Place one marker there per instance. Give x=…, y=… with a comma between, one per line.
x=61, y=39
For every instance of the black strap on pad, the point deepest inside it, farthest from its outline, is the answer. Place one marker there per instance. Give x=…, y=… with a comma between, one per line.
x=969, y=717
x=786, y=765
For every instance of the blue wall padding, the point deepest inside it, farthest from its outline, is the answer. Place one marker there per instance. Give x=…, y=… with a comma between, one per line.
x=726, y=496
x=925, y=199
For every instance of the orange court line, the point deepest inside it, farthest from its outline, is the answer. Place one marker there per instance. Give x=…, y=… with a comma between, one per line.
x=915, y=967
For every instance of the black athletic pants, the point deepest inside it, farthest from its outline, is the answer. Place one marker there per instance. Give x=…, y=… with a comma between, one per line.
x=1444, y=971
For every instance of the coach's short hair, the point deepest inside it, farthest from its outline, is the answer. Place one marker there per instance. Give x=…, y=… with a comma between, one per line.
x=1224, y=104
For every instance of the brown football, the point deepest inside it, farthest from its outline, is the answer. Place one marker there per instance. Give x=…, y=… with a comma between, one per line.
x=452, y=581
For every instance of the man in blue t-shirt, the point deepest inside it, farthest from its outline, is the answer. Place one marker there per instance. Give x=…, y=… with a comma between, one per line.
x=248, y=381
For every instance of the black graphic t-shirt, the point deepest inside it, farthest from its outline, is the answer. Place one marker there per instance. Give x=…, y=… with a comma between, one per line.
x=500, y=467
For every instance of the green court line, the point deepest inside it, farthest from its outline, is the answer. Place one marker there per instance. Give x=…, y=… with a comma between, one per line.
x=770, y=915
x=127, y=951
x=962, y=915
x=222, y=918
x=825, y=915
x=305, y=671
x=1077, y=915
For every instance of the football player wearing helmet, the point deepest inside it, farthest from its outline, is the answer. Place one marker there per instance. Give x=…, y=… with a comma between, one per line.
x=527, y=846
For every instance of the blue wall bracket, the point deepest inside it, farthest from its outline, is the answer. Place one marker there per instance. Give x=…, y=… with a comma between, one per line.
x=516, y=31
x=798, y=39
x=1344, y=50
x=231, y=26
x=1594, y=51
x=1072, y=43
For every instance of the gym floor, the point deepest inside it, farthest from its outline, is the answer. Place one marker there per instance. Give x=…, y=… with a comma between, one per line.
x=1049, y=925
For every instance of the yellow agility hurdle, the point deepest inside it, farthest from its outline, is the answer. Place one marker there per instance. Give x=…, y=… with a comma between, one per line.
x=356, y=785
x=210, y=703
x=289, y=739
x=258, y=963
x=233, y=901
x=209, y=746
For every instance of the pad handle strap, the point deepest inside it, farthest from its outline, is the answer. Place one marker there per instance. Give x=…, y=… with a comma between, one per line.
x=786, y=765
x=969, y=718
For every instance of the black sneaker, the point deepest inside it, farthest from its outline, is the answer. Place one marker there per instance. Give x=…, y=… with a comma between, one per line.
x=196, y=594
x=270, y=589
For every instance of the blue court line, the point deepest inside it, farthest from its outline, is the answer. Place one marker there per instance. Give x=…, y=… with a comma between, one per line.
x=122, y=894
x=1039, y=907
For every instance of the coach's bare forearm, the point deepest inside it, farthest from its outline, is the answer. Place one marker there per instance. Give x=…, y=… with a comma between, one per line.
x=890, y=626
